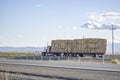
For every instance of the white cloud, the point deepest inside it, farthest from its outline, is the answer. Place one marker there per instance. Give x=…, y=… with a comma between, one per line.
x=97, y=18
x=111, y=26
x=75, y=27
x=112, y=15
x=94, y=25
x=101, y=17
x=91, y=25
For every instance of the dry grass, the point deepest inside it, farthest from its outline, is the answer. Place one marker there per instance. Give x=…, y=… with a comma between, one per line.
x=14, y=54
x=18, y=76
x=5, y=76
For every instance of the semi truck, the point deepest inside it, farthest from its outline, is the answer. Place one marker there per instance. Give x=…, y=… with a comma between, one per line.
x=77, y=47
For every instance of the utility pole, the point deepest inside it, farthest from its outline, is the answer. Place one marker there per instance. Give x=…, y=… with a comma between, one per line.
x=47, y=47
x=112, y=40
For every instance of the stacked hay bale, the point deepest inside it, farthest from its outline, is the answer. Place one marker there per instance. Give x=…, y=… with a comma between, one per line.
x=78, y=46
x=61, y=46
x=86, y=45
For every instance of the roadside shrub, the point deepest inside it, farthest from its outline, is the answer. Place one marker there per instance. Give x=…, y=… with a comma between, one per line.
x=115, y=61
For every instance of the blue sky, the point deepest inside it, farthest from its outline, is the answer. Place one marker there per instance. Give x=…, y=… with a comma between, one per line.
x=36, y=22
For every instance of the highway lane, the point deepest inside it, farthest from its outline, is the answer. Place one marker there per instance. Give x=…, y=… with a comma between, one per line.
x=65, y=64
x=56, y=73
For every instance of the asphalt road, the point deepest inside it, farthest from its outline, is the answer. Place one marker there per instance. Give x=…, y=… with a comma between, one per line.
x=50, y=73
x=65, y=64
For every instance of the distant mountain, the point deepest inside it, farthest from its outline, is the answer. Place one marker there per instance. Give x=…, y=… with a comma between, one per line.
x=21, y=49
x=33, y=49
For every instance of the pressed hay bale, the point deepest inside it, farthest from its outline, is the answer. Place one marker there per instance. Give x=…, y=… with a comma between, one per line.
x=86, y=45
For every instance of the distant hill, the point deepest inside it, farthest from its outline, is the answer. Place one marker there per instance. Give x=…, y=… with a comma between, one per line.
x=21, y=49
x=33, y=49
